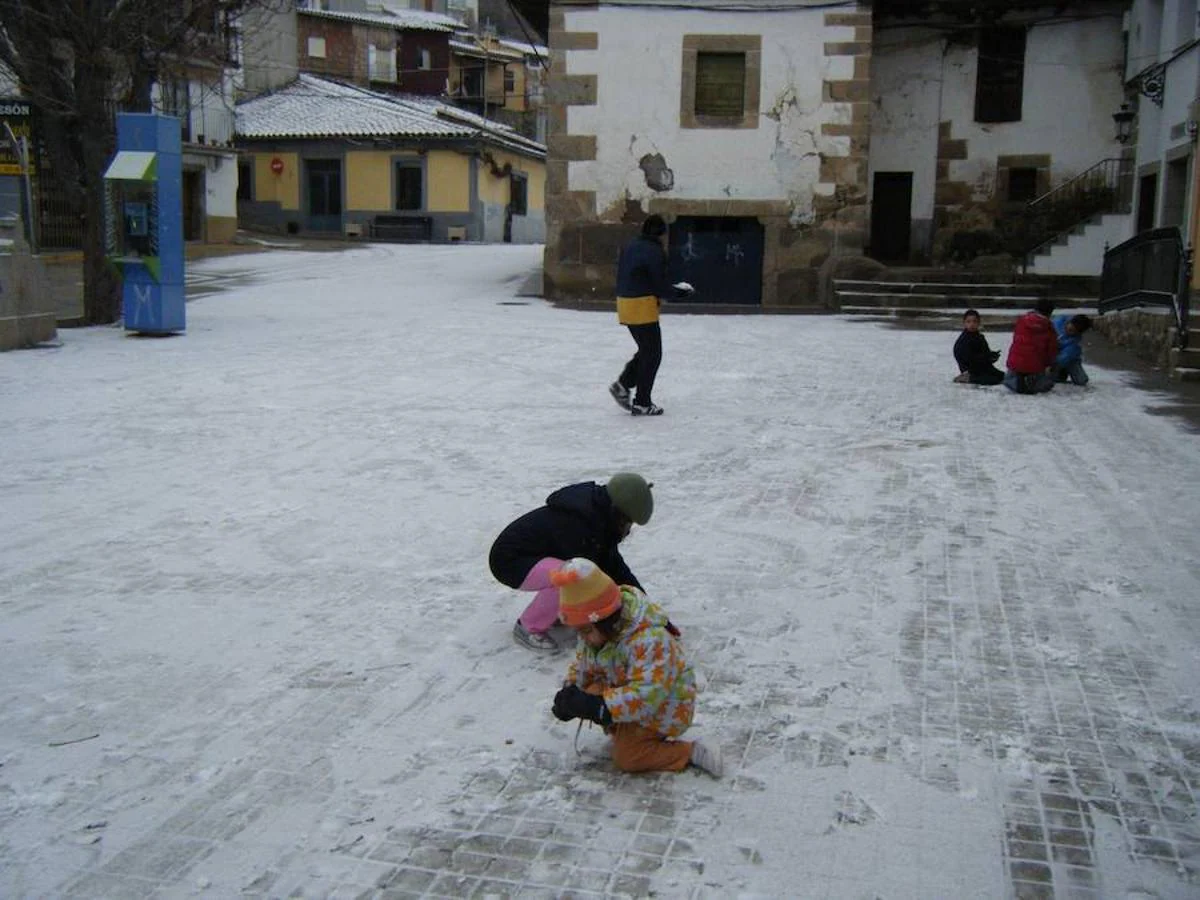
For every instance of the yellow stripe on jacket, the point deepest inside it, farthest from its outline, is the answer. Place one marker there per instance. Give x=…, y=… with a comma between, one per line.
x=637, y=310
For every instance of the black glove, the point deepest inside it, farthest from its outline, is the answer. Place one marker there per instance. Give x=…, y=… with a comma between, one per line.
x=571, y=702
x=995, y=355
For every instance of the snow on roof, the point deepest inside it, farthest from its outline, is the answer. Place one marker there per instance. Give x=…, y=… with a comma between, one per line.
x=527, y=49
x=393, y=17
x=312, y=107
x=476, y=50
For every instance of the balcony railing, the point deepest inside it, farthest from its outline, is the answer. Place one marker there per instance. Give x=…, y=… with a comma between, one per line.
x=1152, y=269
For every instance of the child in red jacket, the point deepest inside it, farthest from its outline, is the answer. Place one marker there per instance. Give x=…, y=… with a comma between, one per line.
x=1033, y=351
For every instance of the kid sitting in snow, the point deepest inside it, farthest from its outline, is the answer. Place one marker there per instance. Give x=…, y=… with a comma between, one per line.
x=629, y=675
x=973, y=355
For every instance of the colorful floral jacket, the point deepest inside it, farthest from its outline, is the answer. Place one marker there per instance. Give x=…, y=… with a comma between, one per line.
x=644, y=677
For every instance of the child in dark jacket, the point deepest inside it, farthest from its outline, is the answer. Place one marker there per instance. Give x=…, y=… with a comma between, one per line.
x=586, y=519
x=1069, y=362
x=630, y=675
x=1032, y=352
x=973, y=355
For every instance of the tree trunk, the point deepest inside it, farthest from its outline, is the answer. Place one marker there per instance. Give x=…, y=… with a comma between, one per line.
x=101, y=297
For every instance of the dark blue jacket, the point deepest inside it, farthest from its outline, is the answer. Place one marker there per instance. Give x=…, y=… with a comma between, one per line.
x=642, y=270
x=1070, y=347
x=577, y=520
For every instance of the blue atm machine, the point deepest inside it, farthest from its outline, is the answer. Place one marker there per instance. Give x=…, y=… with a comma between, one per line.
x=144, y=222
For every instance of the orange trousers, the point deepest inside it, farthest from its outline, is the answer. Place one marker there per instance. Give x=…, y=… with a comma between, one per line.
x=639, y=749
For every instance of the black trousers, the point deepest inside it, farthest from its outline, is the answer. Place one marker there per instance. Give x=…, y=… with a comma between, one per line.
x=990, y=375
x=640, y=371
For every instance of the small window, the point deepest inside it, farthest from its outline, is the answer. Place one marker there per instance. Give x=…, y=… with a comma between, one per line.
x=720, y=85
x=409, y=193
x=316, y=47
x=1022, y=185
x=519, y=194
x=245, y=188
x=510, y=81
x=1000, y=79
x=424, y=59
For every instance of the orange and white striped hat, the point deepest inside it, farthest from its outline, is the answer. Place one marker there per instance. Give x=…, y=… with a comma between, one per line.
x=585, y=594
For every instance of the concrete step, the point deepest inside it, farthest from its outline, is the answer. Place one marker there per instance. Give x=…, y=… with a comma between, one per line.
x=947, y=317
x=1026, y=292
x=1185, y=374
x=1186, y=359
x=919, y=300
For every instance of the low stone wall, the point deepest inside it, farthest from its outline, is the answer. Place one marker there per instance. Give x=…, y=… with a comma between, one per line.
x=1147, y=333
x=27, y=310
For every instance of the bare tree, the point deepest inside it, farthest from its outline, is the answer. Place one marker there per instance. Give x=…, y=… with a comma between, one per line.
x=79, y=61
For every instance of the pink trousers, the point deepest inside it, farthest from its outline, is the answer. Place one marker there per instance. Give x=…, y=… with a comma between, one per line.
x=541, y=614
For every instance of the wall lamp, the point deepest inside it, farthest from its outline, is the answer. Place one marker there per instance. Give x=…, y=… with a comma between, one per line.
x=1124, y=120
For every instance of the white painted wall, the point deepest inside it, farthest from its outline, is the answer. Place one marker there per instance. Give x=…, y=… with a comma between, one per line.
x=1083, y=253
x=220, y=187
x=639, y=64
x=1072, y=87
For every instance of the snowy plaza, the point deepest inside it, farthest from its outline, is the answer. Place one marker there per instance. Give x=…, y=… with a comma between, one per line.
x=947, y=637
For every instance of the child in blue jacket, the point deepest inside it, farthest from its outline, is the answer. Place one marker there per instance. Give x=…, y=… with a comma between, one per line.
x=1069, y=362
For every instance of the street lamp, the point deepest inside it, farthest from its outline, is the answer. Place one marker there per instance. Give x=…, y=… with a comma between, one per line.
x=1124, y=120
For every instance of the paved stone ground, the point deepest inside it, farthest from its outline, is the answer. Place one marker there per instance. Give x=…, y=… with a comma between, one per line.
x=948, y=637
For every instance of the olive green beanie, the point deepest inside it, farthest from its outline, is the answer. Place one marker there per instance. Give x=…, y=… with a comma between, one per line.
x=631, y=495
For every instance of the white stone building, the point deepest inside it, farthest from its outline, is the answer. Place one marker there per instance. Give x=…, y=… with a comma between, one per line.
x=972, y=121
x=744, y=125
x=1163, y=74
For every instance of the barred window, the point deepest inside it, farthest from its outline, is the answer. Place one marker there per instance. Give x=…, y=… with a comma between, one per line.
x=1000, y=79
x=720, y=84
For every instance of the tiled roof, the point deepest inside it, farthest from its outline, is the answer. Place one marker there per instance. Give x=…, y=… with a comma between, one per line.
x=312, y=107
x=400, y=19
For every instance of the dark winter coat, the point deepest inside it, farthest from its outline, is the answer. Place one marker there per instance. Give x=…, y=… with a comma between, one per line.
x=577, y=520
x=972, y=353
x=642, y=270
x=1034, y=345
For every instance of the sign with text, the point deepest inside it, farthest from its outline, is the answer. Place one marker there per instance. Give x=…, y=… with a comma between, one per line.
x=17, y=113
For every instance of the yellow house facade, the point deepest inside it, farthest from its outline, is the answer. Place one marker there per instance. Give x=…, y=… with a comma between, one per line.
x=321, y=157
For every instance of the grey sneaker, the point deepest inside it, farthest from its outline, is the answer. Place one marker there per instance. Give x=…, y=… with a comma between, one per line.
x=962, y=378
x=707, y=759
x=620, y=393
x=541, y=643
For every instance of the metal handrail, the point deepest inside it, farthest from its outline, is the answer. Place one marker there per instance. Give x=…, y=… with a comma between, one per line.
x=1106, y=187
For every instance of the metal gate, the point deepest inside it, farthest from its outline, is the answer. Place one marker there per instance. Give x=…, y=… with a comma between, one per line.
x=721, y=256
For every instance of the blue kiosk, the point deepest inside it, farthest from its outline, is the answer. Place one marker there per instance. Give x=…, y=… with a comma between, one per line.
x=144, y=224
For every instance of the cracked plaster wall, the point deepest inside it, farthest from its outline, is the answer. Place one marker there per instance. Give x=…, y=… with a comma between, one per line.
x=639, y=64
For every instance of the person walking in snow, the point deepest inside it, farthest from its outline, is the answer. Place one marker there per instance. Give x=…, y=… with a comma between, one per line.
x=1033, y=351
x=585, y=519
x=641, y=288
x=629, y=675
x=1069, y=362
x=974, y=357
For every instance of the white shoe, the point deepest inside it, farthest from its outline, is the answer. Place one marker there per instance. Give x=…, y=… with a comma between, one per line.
x=541, y=643
x=707, y=758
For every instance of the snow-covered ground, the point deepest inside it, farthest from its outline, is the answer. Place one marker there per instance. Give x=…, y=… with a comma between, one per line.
x=249, y=645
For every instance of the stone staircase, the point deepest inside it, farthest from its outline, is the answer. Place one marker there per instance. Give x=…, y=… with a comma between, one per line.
x=1185, y=364
x=941, y=303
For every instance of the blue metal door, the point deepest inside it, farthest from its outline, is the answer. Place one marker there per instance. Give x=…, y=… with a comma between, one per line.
x=721, y=256
x=324, y=184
